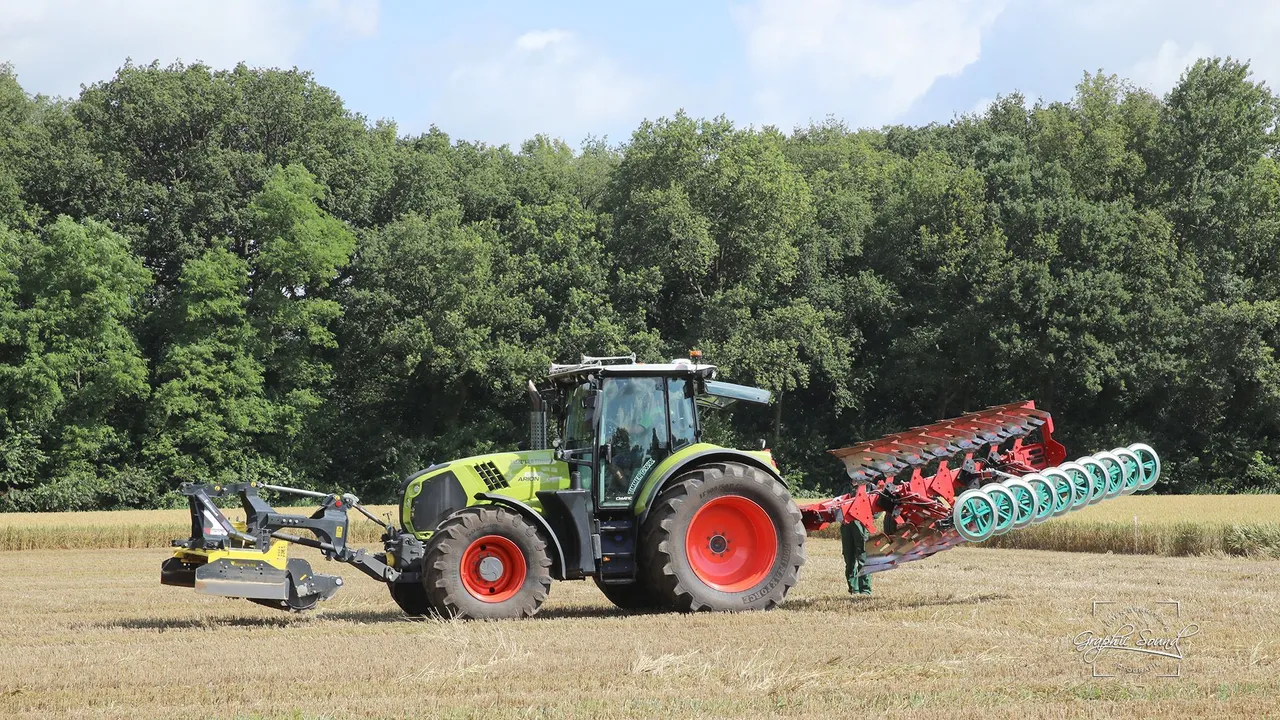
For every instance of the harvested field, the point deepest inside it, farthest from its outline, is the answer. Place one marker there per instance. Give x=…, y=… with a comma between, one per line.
x=979, y=633
x=131, y=528
x=154, y=528
x=1175, y=525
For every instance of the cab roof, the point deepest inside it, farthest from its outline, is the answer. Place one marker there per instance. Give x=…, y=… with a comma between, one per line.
x=716, y=394
x=627, y=365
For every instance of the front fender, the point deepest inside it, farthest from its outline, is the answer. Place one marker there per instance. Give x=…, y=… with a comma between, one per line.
x=533, y=516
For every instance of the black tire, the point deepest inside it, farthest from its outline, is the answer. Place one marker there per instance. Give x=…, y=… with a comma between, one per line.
x=411, y=597
x=636, y=596
x=671, y=576
x=442, y=580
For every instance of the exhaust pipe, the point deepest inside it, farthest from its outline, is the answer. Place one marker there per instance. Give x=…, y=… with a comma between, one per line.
x=537, y=419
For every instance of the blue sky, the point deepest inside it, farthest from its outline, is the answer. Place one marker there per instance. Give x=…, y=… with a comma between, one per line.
x=500, y=71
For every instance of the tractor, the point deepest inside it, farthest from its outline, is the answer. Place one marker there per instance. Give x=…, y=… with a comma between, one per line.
x=629, y=494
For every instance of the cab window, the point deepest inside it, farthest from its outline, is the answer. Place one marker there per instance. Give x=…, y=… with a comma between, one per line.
x=579, y=427
x=680, y=404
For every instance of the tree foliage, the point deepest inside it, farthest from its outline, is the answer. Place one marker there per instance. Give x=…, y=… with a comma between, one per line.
x=208, y=275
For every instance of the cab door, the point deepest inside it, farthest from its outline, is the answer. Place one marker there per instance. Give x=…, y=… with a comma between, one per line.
x=634, y=436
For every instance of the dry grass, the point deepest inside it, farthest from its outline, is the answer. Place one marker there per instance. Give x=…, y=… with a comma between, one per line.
x=1173, y=509
x=131, y=528
x=1174, y=525
x=969, y=633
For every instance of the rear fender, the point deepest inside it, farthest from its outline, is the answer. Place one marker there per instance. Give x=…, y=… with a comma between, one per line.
x=696, y=455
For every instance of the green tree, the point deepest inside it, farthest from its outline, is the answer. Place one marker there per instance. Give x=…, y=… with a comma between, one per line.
x=209, y=414
x=296, y=252
x=438, y=343
x=71, y=376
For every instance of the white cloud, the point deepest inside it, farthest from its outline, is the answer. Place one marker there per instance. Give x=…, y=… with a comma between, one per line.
x=544, y=81
x=540, y=39
x=868, y=60
x=358, y=18
x=1170, y=35
x=55, y=45
x=980, y=107
x=1160, y=72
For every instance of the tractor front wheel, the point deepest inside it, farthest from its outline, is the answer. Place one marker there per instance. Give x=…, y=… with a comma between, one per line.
x=486, y=562
x=411, y=597
x=724, y=536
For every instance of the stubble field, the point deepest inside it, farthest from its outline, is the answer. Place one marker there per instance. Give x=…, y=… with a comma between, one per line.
x=1176, y=525
x=971, y=632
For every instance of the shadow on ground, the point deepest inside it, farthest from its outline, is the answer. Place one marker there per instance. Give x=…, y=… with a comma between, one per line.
x=827, y=603
x=882, y=603
x=163, y=624
x=336, y=615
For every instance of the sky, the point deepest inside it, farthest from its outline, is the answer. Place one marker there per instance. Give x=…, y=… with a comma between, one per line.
x=501, y=71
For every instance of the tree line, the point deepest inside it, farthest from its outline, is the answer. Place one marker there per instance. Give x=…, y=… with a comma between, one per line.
x=209, y=275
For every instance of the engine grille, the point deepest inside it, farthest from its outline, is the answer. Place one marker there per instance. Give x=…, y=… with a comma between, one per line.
x=492, y=476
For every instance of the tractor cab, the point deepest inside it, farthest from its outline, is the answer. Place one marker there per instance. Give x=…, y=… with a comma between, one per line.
x=621, y=419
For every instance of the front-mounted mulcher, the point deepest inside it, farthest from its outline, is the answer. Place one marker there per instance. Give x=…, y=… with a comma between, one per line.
x=251, y=560
x=630, y=495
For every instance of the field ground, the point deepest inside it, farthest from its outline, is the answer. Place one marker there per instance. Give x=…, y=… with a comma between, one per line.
x=131, y=528
x=1174, y=525
x=976, y=633
x=1165, y=525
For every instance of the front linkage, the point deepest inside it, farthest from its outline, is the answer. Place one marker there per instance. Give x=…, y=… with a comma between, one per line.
x=251, y=559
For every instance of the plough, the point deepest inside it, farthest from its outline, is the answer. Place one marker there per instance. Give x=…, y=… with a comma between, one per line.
x=969, y=478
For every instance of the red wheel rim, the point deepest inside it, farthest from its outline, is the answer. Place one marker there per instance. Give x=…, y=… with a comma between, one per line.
x=731, y=543
x=493, y=569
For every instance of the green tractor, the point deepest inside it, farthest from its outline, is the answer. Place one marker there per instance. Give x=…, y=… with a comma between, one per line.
x=628, y=495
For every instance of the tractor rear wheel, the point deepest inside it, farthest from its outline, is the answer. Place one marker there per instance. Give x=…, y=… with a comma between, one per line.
x=632, y=596
x=486, y=562
x=724, y=536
